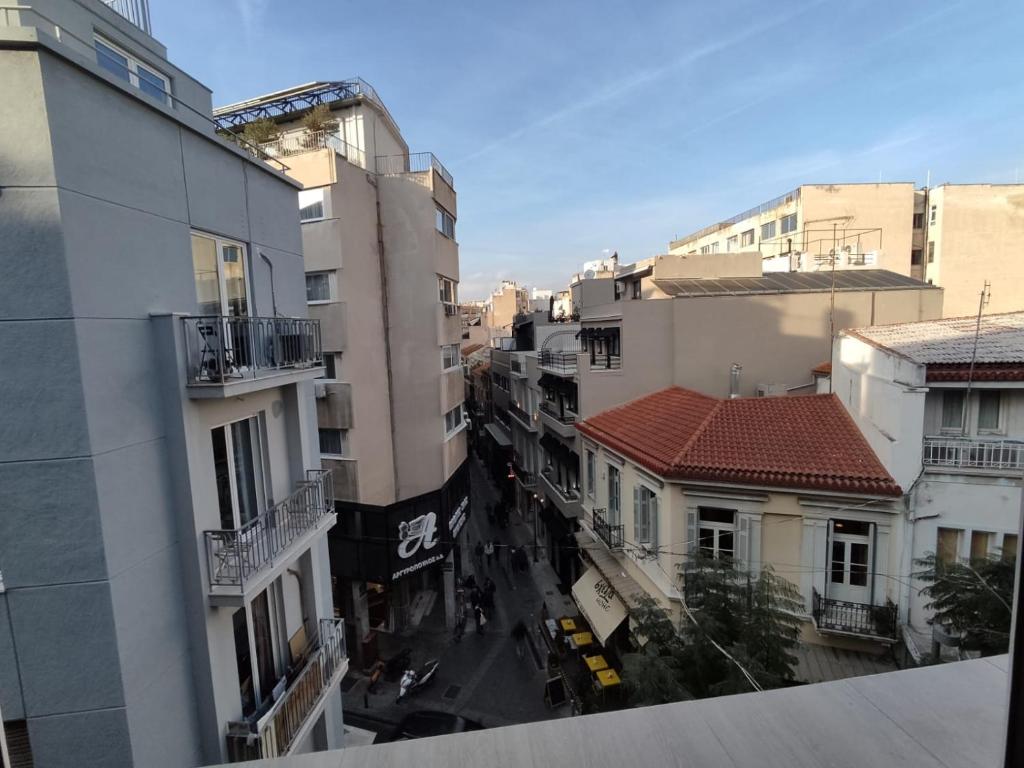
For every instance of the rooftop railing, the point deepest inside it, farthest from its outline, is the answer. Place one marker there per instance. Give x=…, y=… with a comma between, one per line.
x=221, y=349
x=136, y=11
x=563, y=363
x=297, y=142
x=417, y=162
x=973, y=453
x=757, y=210
x=235, y=556
x=275, y=733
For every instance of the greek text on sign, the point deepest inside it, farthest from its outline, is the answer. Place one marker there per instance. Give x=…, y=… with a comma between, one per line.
x=604, y=594
x=418, y=532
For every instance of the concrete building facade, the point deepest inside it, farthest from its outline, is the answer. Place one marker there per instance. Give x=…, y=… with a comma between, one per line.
x=382, y=274
x=165, y=594
x=953, y=235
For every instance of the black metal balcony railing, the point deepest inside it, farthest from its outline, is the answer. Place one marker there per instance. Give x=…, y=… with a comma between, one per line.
x=522, y=416
x=273, y=734
x=973, y=453
x=555, y=483
x=873, y=621
x=563, y=363
x=611, y=535
x=552, y=410
x=235, y=556
x=219, y=349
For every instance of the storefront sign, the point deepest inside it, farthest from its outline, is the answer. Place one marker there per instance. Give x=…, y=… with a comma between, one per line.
x=458, y=517
x=419, y=532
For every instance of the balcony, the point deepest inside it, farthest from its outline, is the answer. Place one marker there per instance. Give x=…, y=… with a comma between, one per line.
x=135, y=11
x=517, y=366
x=605, y=362
x=839, y=617
x=522, y=417
x=558, y=363
x=242, y=561
x=415, y=163
x=968, y=453
x=299, y=142
x=524, y=477
x=288, y=721
x=231, y=356
x=611, y=535
x=561, y=423
x=566, y=499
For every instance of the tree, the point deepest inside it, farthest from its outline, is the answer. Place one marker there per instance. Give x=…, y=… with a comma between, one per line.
x=654, y=673
x=319, y=119
x=261, y=131
x=972, y=598
x=772, y=629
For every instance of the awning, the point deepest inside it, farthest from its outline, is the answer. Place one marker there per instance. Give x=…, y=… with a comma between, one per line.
x=498, y=435
x=625, y=586
x=598, y=602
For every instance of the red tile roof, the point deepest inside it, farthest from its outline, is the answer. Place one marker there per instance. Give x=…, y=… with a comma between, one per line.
x=982, y=372
x=805, y=441
x=822, y=369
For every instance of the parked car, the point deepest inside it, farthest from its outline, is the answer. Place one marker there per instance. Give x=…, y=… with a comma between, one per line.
x=428, y=722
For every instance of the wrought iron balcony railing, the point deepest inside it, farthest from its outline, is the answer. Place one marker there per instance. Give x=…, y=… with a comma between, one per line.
x=973, y=453
x=563, y=363
x=220, y=350
x=275, y=733
x=234, y=557
x=841, y=616
x=551, y=410
x=611, y=535
x=552, y=480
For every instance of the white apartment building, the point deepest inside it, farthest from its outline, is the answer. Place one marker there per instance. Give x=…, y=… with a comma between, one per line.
x=165, y=595
x=953, y=235
x=946, y=417
x=382, y=275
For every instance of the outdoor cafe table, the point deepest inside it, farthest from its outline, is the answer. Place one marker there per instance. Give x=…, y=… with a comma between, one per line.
x=568, y=625
x=596, y=663
x=582, y=639
x=608, y=677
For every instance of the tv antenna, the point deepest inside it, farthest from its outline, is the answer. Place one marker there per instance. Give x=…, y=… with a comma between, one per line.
x=983, y=300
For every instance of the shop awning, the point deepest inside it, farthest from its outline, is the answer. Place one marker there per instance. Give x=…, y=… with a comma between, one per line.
x=625, y=586
x=598, y=602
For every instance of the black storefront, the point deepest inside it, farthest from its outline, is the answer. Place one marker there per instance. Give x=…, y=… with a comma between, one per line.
x=382, y=556
x=560, y=544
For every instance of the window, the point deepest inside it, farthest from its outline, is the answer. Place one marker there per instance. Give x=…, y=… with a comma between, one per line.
x=952, y=409
x=988, y=410
x=332, y=361
x=645, y=516
x=931, y=252
x=747, y=238
x=321, y=287
x=591, y=473
x=851, y=555
x=219, y=268
x=332, y=441
x=915, y=257
x=637, y=289
x=446, y=288
x=445, y=223
x=768, y=230
x=933, y=214
x=614, y=497
x=947, y=546
x=311, y=204
x=918, y=221
x=125, y=66
x=730, y=243
x=450, y=357
x=715, y=532
x=714, y=247
x=453, y=420
x=1010, y=545
x=980, y=544
x=705, y=249
x=789, y=224
x=239, y=471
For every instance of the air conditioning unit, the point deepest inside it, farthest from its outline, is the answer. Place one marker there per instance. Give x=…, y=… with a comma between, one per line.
x=320, y=389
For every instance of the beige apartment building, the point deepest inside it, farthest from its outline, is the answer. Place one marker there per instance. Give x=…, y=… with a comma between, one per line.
x=501, y=307
x=382, y=272
x=956, y=236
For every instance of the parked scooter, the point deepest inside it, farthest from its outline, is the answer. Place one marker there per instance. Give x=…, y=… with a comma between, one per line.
x=413, y=680
x=394, y=666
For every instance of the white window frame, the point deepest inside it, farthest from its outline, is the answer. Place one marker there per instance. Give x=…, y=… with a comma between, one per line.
x=954, y=428
x=933, y=215
x=645, y=515
x=444, y=222
x=999, y=428
x=311, y=197
x=616, y=473
x=332, y=286
x=133, y=64
x=591, y=473
x=731, y=243
x=448, y=294
x=746, y=238
x=457, y=358
x=336, y=358
x=717, y=528
x=450, y=433
x=219, y=243
x=768, y=229
x=257, y=426
x=789, y=217
x=344, y=443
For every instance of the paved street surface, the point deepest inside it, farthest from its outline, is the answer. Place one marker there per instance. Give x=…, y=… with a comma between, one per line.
x=480, y=677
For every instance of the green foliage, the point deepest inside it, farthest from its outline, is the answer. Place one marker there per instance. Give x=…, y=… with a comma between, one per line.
x=653, y=674
x=772, y=630
x=973, y=598
x=261, y=131
x=319, y=119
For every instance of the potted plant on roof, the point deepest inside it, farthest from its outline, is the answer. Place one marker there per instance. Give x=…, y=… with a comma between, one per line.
x=317, y=123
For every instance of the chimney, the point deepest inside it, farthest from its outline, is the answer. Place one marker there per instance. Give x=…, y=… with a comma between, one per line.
x=615, y=261
x=734, y=380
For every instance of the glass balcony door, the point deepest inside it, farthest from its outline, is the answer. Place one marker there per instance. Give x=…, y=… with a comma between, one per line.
x=850, y=561
x=240, y=472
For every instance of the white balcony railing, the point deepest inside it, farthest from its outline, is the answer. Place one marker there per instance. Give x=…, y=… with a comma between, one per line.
x=973, y=453
x=297, y=142
x=276, y=732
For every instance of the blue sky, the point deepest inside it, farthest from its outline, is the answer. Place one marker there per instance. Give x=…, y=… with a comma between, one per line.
x=575, y=129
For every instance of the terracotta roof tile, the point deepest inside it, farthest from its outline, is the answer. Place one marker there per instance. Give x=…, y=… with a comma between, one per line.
x=806, y=441
x=822, y=369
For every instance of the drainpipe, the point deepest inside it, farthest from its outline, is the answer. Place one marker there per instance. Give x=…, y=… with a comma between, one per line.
x=273, y=295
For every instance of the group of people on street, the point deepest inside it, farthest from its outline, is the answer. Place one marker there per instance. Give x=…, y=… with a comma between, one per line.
x=480, y=599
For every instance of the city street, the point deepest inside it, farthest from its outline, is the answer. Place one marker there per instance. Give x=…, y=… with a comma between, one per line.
x=480, y=677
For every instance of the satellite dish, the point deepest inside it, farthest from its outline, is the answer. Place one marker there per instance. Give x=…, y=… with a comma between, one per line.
x=589, y=274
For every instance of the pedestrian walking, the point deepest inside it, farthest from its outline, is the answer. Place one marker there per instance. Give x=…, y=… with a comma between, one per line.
x=460, y=622
x=478, y=554
x=475, y=597
x=522, y=560
x=487, y=598
x=519, y=633
x=478, y=613
x=489, y=551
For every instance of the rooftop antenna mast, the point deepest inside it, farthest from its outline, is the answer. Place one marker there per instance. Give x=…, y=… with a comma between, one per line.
x=832, y=308
x=983, y=299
